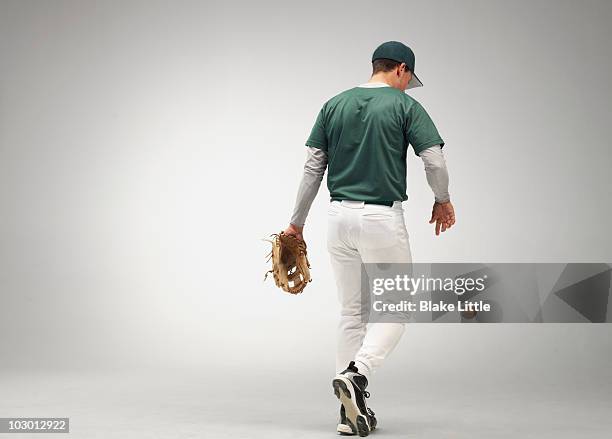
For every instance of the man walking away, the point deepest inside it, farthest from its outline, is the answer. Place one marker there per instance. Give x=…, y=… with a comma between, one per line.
x=361, y=136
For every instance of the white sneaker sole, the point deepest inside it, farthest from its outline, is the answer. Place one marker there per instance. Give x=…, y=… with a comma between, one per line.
x=357, y=421
x=345, y=430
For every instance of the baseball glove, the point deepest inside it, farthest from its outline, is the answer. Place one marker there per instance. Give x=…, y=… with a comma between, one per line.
x=290, y=264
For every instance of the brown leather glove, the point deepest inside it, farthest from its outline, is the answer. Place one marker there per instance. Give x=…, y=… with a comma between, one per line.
x=290, y=264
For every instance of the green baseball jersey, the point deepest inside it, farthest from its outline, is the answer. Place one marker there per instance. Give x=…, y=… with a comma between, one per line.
x=366, y=132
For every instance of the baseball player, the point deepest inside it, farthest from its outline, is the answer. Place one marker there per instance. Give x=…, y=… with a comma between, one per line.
x=361, y=136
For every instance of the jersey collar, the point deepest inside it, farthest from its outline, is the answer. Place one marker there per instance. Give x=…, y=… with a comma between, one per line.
x=374, y=85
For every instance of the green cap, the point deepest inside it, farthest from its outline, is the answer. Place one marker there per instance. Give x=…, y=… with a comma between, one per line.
x=401, y=53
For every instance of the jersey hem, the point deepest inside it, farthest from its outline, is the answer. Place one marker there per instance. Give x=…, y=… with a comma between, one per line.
x=316, y=144
x=424, y=146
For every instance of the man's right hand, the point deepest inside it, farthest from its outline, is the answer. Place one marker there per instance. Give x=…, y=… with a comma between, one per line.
x=443, y=214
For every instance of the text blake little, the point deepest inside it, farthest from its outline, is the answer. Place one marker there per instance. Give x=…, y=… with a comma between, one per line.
x=430, y=306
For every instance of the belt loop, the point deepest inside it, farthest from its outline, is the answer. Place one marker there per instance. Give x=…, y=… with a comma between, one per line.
x=353, y=204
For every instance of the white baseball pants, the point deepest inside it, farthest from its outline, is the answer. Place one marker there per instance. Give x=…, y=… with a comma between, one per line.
x=367, y=233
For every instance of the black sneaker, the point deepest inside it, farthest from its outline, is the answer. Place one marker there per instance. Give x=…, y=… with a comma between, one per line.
x=350, y=388
x=372, y=418
x=345, y=429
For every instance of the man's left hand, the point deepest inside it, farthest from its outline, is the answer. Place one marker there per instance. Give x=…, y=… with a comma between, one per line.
x=295, y=231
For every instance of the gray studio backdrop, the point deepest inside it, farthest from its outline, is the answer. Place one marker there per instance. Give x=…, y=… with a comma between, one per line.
x=146, y=147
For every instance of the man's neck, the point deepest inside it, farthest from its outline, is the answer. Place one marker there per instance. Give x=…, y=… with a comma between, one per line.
x=378, y=78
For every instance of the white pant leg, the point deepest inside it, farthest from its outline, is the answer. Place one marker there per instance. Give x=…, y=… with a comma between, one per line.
x=368, y=233
x=346, y=265
x=383, y=239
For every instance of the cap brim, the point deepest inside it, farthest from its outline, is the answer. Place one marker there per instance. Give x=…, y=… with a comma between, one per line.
x=414, y=82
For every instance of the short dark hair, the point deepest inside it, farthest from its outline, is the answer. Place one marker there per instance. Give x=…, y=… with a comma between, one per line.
x=384, y=65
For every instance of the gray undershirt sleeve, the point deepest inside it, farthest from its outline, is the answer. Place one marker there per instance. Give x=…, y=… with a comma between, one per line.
x=436, y=172
x=314, y=169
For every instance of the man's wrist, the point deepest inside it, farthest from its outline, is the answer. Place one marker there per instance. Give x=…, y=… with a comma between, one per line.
x=297, y=227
